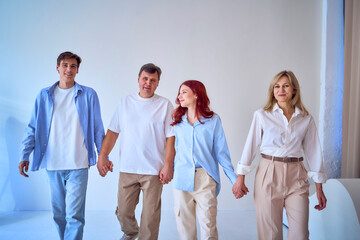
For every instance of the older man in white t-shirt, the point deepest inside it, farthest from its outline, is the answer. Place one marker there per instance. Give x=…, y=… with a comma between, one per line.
x=146, y=154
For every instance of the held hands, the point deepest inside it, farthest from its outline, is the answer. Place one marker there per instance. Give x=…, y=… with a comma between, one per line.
x=321, y=197
x=239, y=189
x=104, y=166
x=166, y=174
x=23, y=164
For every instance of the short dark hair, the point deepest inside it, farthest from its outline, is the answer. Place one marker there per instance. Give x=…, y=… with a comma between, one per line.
x=150, y=68
x=67, y=55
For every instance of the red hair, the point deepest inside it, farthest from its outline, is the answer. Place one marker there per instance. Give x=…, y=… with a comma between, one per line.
x=202, y=103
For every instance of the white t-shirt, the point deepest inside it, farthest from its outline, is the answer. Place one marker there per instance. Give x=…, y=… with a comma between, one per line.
x=144, y=125
x=66, y=148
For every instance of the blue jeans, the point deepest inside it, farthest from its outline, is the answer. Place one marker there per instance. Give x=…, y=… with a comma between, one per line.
x=68, y=192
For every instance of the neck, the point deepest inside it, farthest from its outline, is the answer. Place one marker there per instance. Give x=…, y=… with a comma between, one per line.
x=191, y=113
x=286, y=106
x=66, y=85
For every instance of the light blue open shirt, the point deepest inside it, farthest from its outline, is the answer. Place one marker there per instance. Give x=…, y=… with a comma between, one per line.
x=200, y=145
x=38, y=130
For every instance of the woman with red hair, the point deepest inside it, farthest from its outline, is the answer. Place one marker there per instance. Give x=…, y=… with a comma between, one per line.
x=200, y=146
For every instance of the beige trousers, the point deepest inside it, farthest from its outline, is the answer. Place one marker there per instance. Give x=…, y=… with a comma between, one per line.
x=202, y=202
x=130, y=186
x=279, y=185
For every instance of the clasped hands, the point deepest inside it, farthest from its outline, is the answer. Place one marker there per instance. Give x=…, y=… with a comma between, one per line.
x=239, y=188
x=104, y=166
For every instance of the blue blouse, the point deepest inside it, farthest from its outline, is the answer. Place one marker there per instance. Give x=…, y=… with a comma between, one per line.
x=201, y=145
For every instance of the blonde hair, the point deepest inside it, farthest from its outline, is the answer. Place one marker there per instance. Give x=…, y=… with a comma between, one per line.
x=296, y=99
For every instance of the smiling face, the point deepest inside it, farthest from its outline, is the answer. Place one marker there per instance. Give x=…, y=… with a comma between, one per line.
x=187, y=97
x=67, y=69
x=283, y=91
x=148, y=82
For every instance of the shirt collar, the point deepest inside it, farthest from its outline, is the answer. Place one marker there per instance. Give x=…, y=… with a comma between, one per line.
x=150, y=99
x=276, y=108
x=297, y=111
x=78, y=89
x=202, y=119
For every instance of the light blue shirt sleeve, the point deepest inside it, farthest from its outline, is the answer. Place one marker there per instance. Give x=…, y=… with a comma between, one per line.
x=221, y=152
x=28, y=143
x=37, y=131
x=99, y=132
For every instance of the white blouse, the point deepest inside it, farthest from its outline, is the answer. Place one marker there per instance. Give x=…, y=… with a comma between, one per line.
x=280, y=138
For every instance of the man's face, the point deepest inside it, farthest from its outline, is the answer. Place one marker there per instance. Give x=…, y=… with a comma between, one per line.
x=148, y=82
x=67, y=69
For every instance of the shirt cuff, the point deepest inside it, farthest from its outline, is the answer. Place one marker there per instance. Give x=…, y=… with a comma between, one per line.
x=317, y=177
x=244, y=169
x=233, y=178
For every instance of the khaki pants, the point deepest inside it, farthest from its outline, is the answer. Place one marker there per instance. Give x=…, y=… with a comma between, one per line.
x=203, y=201
x=279, y=185
x=128, y=197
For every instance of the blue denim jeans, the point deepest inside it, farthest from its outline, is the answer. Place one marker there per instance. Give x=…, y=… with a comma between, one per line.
x=68, y=192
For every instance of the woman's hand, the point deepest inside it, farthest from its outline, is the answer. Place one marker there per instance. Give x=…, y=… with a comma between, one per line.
x=239, y=189
x=320, y=196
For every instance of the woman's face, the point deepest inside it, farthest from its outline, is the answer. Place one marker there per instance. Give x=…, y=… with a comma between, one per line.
x=187, y=97
x=283, y=91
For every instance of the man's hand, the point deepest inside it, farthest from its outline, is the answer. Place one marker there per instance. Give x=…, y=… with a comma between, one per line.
x=239, y=189
x=104, y=166
x=321, y=197
x=166, y=174
x=23, y=164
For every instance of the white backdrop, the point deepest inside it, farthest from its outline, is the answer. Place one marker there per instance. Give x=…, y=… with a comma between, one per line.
x=234, y=47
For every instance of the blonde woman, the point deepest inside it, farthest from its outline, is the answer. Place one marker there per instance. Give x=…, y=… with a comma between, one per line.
x=286, y=134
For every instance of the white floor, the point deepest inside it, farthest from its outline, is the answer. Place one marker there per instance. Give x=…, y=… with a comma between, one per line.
x=103, y=225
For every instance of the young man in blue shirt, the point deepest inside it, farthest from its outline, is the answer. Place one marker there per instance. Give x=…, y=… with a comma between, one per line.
x=64, y=125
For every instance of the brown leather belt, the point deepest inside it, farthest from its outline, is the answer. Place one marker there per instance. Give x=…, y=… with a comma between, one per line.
x=283, y=159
